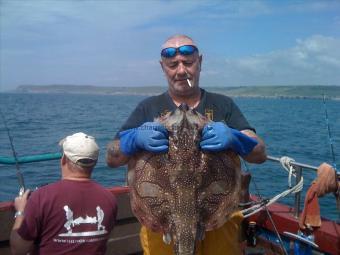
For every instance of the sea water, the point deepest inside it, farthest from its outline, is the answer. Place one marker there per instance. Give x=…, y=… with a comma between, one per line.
x=290, y=127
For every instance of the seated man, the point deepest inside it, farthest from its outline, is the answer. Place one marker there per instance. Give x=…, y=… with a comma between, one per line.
x=72, y=216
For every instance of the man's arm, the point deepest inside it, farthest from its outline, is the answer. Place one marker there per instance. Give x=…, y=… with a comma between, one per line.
x=217, y=136
x=18, y=245
x=151, y=136
x=114, y=157
x=258, y=155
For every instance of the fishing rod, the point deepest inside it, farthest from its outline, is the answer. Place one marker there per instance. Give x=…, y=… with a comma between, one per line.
x=19, y=174
x=267, y=212
x=329, y=134
x=331, y=145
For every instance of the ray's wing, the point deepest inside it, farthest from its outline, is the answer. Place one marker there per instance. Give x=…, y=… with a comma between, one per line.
x=150, y=191
x=219, y=193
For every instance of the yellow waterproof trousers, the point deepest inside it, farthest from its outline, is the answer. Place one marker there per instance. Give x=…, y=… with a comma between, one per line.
x=221, y=241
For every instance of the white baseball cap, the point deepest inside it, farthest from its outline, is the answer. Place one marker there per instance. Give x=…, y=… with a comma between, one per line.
x=81, y=149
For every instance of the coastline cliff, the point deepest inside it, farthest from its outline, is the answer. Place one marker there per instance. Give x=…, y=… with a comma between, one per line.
x=308, y=91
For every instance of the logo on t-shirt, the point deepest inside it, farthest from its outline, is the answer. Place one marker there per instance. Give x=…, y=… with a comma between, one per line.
x=165, y=112
x=71, y=222
x=209, y=113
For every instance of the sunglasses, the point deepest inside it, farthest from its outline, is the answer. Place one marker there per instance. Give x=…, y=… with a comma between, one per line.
x=185, y=50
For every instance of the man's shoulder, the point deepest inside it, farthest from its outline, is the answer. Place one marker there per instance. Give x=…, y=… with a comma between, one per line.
x=101, y=188
x=104, y=195
x=48, y=186
x=68, y=184
x=46, y=190
x=156, y=99
x=217, y=96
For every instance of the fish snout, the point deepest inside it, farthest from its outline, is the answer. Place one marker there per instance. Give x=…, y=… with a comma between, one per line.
x=187, y=237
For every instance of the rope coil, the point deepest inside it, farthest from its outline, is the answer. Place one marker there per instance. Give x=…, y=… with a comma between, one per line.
x=258, y=206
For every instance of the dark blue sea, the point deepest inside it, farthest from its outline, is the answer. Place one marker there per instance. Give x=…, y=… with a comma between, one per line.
x=290, y=127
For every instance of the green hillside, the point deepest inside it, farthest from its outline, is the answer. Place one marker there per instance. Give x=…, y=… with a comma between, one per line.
x=282, y=91
x=242, y=91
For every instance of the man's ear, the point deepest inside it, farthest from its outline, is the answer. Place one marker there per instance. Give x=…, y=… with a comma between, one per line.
x=200, y=60
x=161, y=63
x=63, y=160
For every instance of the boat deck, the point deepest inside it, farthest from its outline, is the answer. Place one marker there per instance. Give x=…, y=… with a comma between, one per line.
x=124, y=239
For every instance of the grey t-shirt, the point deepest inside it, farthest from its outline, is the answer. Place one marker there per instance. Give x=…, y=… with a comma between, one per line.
x=216, y=107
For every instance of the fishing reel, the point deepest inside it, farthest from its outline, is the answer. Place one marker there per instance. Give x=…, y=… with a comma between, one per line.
x=303, y=242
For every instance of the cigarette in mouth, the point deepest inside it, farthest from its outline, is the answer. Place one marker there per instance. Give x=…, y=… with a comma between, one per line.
x=189, y=83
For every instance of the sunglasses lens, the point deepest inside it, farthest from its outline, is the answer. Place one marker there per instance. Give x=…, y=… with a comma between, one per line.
x=168, y=52
x=186, y=49
x=183, y=50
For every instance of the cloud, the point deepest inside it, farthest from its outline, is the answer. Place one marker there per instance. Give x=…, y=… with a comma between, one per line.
x=45, y=41
x=121, y=14
x=315, y=60
x=312, y=6
x=337, y=21
x=234, y=9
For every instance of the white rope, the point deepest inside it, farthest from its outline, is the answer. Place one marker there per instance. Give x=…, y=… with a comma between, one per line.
x=285, y=162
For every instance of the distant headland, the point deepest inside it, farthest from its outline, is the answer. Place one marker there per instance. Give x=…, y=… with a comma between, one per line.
x=308, y=91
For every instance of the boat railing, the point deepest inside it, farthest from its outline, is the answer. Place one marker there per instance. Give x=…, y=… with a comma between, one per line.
x=298, y=167
x=30, y=159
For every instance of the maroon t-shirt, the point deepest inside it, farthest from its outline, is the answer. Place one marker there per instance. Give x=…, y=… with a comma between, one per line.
x=69, y=217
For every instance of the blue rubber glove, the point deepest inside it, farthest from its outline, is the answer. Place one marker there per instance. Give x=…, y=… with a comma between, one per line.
x=217, y=136
x=151, y=136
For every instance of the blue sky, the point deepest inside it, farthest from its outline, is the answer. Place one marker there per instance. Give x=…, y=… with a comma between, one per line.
x=117, y=43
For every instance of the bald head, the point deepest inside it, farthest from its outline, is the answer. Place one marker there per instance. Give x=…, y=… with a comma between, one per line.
x=177, y=41
x=182, y=67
